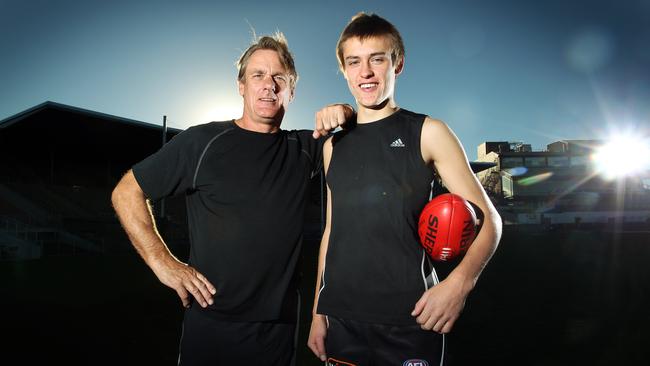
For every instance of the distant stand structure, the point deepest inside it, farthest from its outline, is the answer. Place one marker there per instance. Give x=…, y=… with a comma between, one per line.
x=560, y=186
x=58, y=166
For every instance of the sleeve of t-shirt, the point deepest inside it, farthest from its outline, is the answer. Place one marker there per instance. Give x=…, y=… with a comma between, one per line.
x=314, y=149
x=169, y=171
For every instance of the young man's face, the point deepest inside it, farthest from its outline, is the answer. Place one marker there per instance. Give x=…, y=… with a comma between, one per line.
x=369, y=70
x=265, y=89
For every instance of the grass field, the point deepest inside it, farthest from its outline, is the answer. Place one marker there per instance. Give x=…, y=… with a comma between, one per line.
x=558, y=298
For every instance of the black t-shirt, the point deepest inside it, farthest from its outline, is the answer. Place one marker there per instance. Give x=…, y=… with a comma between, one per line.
x=375, y=269
x=246, y=195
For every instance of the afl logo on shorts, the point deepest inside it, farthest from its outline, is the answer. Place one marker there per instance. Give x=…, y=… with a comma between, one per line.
x=415, y=363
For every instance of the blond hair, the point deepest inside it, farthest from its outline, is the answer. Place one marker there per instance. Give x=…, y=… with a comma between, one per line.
x=277, y=43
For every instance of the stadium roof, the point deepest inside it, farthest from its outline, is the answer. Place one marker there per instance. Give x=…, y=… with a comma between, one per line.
x=49, y=105
x=479, y=166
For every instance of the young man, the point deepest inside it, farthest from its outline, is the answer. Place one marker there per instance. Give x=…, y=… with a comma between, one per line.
x=246, y=183
x=373, y=303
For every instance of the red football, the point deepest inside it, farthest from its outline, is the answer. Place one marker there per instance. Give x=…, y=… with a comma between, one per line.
x=447, y=227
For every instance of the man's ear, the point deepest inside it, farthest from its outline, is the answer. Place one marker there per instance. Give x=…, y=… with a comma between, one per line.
x=240, y=86
x=399, y=66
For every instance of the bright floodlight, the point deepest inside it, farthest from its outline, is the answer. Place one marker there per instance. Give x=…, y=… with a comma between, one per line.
x=622, y=155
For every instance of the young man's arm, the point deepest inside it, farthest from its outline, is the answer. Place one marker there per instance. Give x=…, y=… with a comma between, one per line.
x=440, y=306
x=134, y=214
x=318, y=331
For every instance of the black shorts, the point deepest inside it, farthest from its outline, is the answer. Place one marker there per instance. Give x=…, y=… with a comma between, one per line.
x=208, y=341
x=356, y=343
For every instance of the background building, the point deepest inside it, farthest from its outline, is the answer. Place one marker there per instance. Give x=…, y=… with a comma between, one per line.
x=560, y=185
x=58, y=166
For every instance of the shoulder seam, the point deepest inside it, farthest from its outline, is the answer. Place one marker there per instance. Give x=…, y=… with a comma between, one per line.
x=205, y=149
x=311, y=159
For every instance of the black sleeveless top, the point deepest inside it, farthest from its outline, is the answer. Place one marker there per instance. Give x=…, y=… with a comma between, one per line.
x=375, y=269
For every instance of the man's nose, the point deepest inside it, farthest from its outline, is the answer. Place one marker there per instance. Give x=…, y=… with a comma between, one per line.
x=366, y=70
x=269, y=83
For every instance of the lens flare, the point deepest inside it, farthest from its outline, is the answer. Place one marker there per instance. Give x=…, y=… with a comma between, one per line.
x=622, y=155
x=532, y=180
x=520, y=170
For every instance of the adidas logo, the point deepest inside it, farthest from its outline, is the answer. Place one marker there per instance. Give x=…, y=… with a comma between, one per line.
x=397, y=143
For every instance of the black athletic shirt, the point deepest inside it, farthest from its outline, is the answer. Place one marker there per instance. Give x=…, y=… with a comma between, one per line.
x=375, y=269
x=246, y=195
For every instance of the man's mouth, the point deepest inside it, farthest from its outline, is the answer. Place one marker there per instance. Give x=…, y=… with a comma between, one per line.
x=368, y=86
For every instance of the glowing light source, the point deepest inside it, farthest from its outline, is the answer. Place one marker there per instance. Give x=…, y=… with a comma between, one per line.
x=222, y=111
x=623, y=155
x=209, y=107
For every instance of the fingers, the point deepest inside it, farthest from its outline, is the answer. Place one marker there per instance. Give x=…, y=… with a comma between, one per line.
x=332, y=119
x=447, y=327
x=318, y=130
x=198, y=287
x=419, y=306
x=191, y=282
x=317, y=346
x=185, y=298
x=429, y=318
x=439, y=323
x=320, y=346
x=439, y=307
x=313, y=346
x=340, y=118
x=186, y=281
x=328, y=119
x=442, y=325
x=317, y=334
x=323, y=125
x=207, y=283
x=434, y=323
x=431, y=323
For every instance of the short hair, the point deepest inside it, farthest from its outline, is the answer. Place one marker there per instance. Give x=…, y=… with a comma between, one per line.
x=365, y=26
x=277, y=43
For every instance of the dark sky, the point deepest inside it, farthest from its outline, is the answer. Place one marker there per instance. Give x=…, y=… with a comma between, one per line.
x=531, y=71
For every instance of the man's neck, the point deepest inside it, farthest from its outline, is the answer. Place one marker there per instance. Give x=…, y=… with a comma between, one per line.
x=370, y=114
x=255, y=126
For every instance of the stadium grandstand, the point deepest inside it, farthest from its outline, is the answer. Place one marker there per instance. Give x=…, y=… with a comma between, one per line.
x=562, y=185
x=58, y=166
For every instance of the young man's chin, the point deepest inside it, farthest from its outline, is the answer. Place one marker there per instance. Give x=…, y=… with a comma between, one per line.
x=374, y=104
